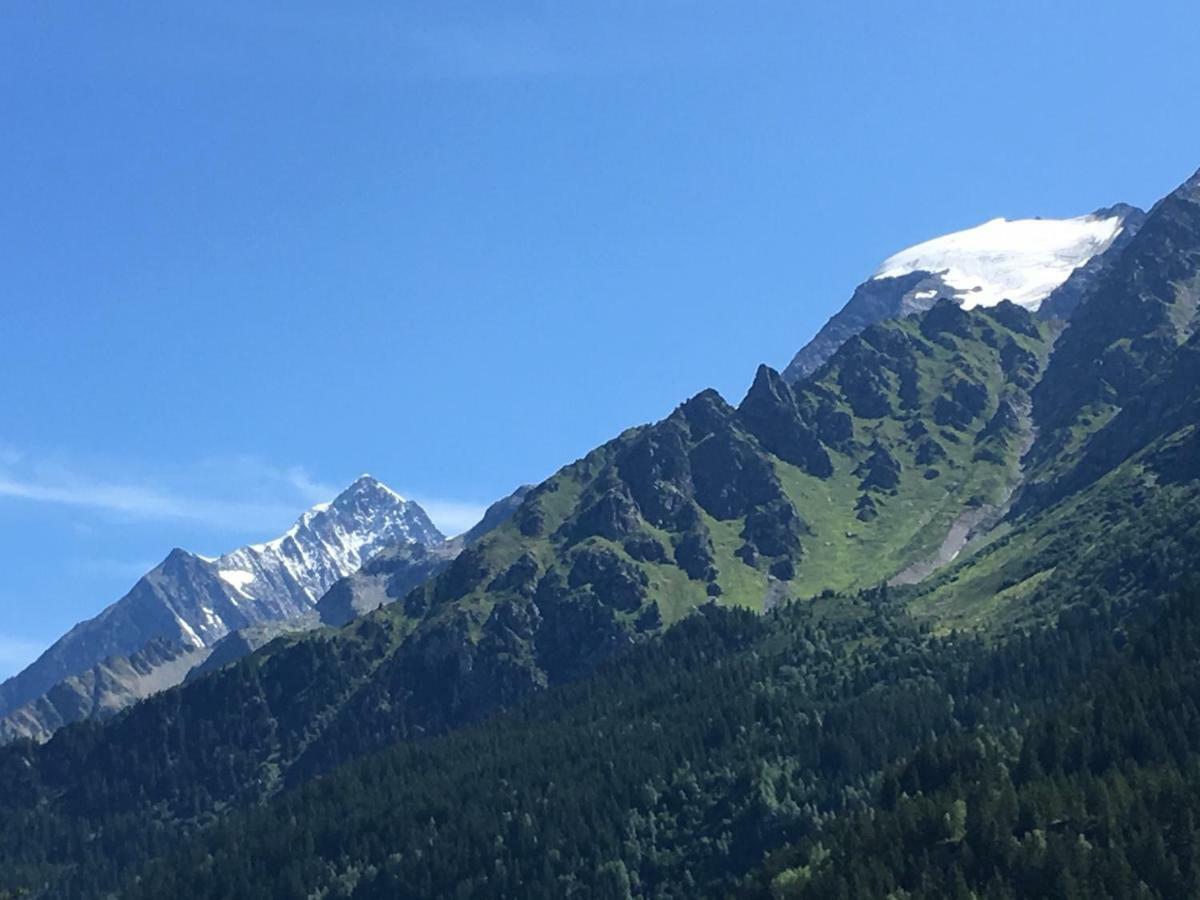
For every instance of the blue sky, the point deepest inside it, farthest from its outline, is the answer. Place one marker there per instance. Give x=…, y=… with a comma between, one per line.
x=250, y=253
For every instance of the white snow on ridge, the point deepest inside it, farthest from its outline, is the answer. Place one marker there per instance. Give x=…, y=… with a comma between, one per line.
x=238, y=579
x=330, y=540
x=1022, y=260
x=367, y=476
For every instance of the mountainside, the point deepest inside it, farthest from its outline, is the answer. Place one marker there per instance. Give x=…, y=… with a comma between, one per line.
x=105, y=688
x=1040, y=264
x=938, y=595
x=392, y=573
x=827, y=749
x=911, y=437
x=1125, y=334
x=168, y=622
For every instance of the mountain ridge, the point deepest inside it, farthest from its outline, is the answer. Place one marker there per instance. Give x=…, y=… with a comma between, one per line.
x=188, y=602
x=909, y=282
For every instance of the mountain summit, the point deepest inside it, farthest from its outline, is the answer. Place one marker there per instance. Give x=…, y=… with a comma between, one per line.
x=1021, y=260
x=327, y=542
x=1026, y=261
x=172, y=617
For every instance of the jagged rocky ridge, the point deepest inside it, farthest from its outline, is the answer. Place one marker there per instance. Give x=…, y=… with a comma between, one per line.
x=393, y=572
x=173, y=617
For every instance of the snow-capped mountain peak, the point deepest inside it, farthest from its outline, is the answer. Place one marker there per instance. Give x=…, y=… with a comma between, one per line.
x=1022, y=260
x=1041, y=264
x=328, y=541
x=366, y=483
x=193, y=601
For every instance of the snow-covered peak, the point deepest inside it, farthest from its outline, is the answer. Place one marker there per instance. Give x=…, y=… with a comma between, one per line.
x=329, y=541
x=367, y=491
x=1022, y=260
x=194, y=601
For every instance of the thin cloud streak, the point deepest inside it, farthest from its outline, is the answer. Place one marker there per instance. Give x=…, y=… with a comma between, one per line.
x=239, y=493
x=234, y=493
x=146, y=504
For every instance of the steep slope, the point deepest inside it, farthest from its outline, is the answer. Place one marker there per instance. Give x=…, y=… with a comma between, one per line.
x=830, y=739
x=845, y=481
x=1036, y=263
x=104, y=689
x=675, y=770
x=1122, y=518
x=188, y=603
x=1123, y=335
x=393, y=572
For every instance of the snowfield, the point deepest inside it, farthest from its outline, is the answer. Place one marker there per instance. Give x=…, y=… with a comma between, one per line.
x=1021, y=260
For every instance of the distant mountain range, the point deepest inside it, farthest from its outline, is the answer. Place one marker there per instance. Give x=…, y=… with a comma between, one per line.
x=192, y=613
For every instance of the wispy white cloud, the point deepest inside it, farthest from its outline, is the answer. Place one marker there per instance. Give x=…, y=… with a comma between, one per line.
x=142, y=503
x=451, y=516
x=238, y=493
x=316, y=491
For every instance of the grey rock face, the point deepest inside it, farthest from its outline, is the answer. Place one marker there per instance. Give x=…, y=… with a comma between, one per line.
x=873, y=301
x=384, y=579
x=102, y=690
x=188, y=603
x=1064, y=301
x=392, y=573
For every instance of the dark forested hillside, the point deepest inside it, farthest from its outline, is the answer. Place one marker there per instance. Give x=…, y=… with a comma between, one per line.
x=675, y=769
x=1097, y=797
x=684, y=763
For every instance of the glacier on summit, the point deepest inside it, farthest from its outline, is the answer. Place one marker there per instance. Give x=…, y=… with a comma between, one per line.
x=1040, y=264
x=1022, y=260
